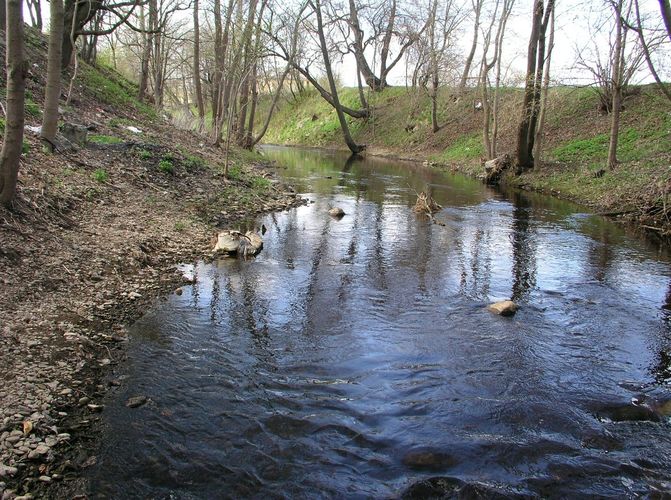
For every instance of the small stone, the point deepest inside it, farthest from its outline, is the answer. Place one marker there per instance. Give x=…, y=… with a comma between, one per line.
x=7, y=471
x=336, y=212
x=179, y=291
x=136, y=401
x=95, y=408
x=44, y=479
x=503, y=308
x=134, y=295
x=42, y=449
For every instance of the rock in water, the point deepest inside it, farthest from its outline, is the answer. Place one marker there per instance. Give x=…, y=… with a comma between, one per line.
x=136, y=401
x=227, y=242
x=503, y=308
x=336, y=212
x=255, y=240
x=234, y=242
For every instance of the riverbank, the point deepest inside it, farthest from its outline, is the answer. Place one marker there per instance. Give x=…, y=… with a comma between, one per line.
x=95, y=238
x=575, y=142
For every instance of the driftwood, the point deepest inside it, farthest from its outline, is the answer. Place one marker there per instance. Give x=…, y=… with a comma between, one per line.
x=494, y=169
x=427, y=205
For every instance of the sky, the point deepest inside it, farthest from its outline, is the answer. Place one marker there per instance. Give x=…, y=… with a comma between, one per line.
x=575, y=29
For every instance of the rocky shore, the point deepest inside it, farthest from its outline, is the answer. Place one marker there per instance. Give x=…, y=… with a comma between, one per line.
x=81, y=258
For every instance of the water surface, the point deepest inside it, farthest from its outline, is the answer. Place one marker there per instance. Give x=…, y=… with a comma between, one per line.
x=355, y=357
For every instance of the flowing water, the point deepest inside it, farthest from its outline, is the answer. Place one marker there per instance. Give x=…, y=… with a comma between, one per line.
x=356, y=358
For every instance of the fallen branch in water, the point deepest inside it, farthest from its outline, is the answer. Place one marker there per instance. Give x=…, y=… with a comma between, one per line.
x=427, y=205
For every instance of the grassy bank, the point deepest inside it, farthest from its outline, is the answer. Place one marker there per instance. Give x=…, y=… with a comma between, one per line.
x=575, y=141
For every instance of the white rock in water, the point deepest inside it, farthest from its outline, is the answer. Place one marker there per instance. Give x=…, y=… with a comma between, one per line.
x=336, y=212
x=503, y=308
x=227, y=242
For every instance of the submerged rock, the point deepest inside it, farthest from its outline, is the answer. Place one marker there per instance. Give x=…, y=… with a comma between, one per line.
x=336, y=212
x=136, y=401
x=428, y=459
x=503, y=308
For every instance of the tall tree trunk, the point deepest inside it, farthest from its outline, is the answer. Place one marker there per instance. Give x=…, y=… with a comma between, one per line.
x=218, y=67
x=353, y=146
x=196, y=68
x=3, y=16
x=616, y=85
x=146, y=55
x=371, y=80
x=477, y=8
x=665, y=8
x=538, y=145
x=535, y=61
x=17, y=69
x=53, y=92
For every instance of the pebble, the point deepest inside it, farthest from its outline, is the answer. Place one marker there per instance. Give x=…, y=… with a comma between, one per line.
x=6, y=470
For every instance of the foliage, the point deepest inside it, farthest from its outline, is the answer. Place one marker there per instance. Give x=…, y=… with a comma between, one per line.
x=166, y=165
x=100, y=175
x=111, y=88
x=260, y=183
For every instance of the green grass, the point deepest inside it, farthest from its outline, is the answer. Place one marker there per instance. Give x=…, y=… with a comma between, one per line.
x=260, y=183
x=111, y=88
x=105, y=139
x=166, y=165
x=144, y=154
x=100, y=175
x=192, y=162
x=465, y=148
x=235, y=172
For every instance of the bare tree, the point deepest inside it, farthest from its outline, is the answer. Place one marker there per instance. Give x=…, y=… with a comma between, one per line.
x=665, y=8
x=538, y=144
x=499, y=16
x=353, y=146
x=35, y=13
x=532, y=91
x=386, y=26
x=17, y=69
x=477, y=11
x=53, y=91
x=196, y=68
x=617, y=83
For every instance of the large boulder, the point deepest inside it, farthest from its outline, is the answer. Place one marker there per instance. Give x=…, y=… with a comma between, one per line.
x=336, y=212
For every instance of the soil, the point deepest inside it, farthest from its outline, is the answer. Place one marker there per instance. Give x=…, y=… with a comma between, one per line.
x=96, y=236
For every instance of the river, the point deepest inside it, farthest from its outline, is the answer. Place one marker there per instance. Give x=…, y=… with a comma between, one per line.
x=355, y=358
